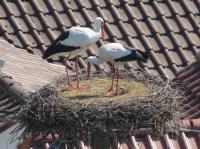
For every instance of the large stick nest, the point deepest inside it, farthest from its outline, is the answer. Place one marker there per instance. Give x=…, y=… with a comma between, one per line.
x=47, y=112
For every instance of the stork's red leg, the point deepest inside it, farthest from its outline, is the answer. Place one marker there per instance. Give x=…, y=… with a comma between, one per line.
x=117, y=80
x=113, y=78
x=65, y=61
x=77, y=78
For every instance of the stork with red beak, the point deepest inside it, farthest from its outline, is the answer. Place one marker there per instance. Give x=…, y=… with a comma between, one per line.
x=116, y=53
x=73, y=42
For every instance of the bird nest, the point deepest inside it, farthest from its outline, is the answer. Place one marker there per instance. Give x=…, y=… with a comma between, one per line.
x=49, y=112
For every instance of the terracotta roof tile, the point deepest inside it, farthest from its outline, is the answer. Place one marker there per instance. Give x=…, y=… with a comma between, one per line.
x=169, y=30
x=191, y=77
x=15, y=58
x=195, y=123
x=7, y=106
x=185, y=140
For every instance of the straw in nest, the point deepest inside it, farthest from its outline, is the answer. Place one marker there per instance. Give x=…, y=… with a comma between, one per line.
x=48, y=112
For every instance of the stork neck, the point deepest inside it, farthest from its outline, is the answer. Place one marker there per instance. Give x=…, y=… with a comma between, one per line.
x=98, y=32
x=98, y=27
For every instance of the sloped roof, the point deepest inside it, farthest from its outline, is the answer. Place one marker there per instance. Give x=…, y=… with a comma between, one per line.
x=28, y=69
x=9, y=104
x=186, y=139
x=22, y=72
x=190, y=76
x=169, y=30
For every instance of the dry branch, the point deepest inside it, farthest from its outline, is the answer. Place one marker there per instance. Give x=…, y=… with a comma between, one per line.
x=47, y=112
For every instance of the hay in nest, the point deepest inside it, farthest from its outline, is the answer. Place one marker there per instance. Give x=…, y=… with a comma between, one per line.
x=47, y=111
x=95, y=90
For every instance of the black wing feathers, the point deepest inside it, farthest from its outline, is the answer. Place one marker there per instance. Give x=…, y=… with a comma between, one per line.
x=134, y=55
x=57, y=47
x=145, y=55
x=62, y=37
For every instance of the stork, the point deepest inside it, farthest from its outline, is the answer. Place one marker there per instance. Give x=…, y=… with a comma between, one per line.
x=116, y=53
x=73, y=42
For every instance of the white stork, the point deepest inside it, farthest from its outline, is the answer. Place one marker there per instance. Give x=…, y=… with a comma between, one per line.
x=116, y=53
x=73, y=41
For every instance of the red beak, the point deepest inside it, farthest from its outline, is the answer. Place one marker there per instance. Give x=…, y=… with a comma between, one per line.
x=88, y=69
x=102, y=33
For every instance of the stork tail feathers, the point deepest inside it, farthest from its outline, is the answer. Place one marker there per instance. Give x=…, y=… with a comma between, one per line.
x=145, y=55
x=49, y=51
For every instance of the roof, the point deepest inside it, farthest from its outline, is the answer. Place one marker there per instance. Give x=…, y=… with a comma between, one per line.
x=190, y=76
x=9, y=101
x=28, y=69
x=22, y=72
x=145, y=140
x=185, y=140
x=10, y=106
x=169, y=30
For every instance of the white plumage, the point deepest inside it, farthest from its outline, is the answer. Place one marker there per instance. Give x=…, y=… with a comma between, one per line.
x=109, y=53
x=116, y=53
x=76, y=39
x=81, y=37
x=73, y=41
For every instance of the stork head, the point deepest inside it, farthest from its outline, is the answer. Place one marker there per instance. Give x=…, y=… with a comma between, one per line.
x=99, y=24
x=92, y=60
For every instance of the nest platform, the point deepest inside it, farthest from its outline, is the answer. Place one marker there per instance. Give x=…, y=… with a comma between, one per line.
x=145, y=101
